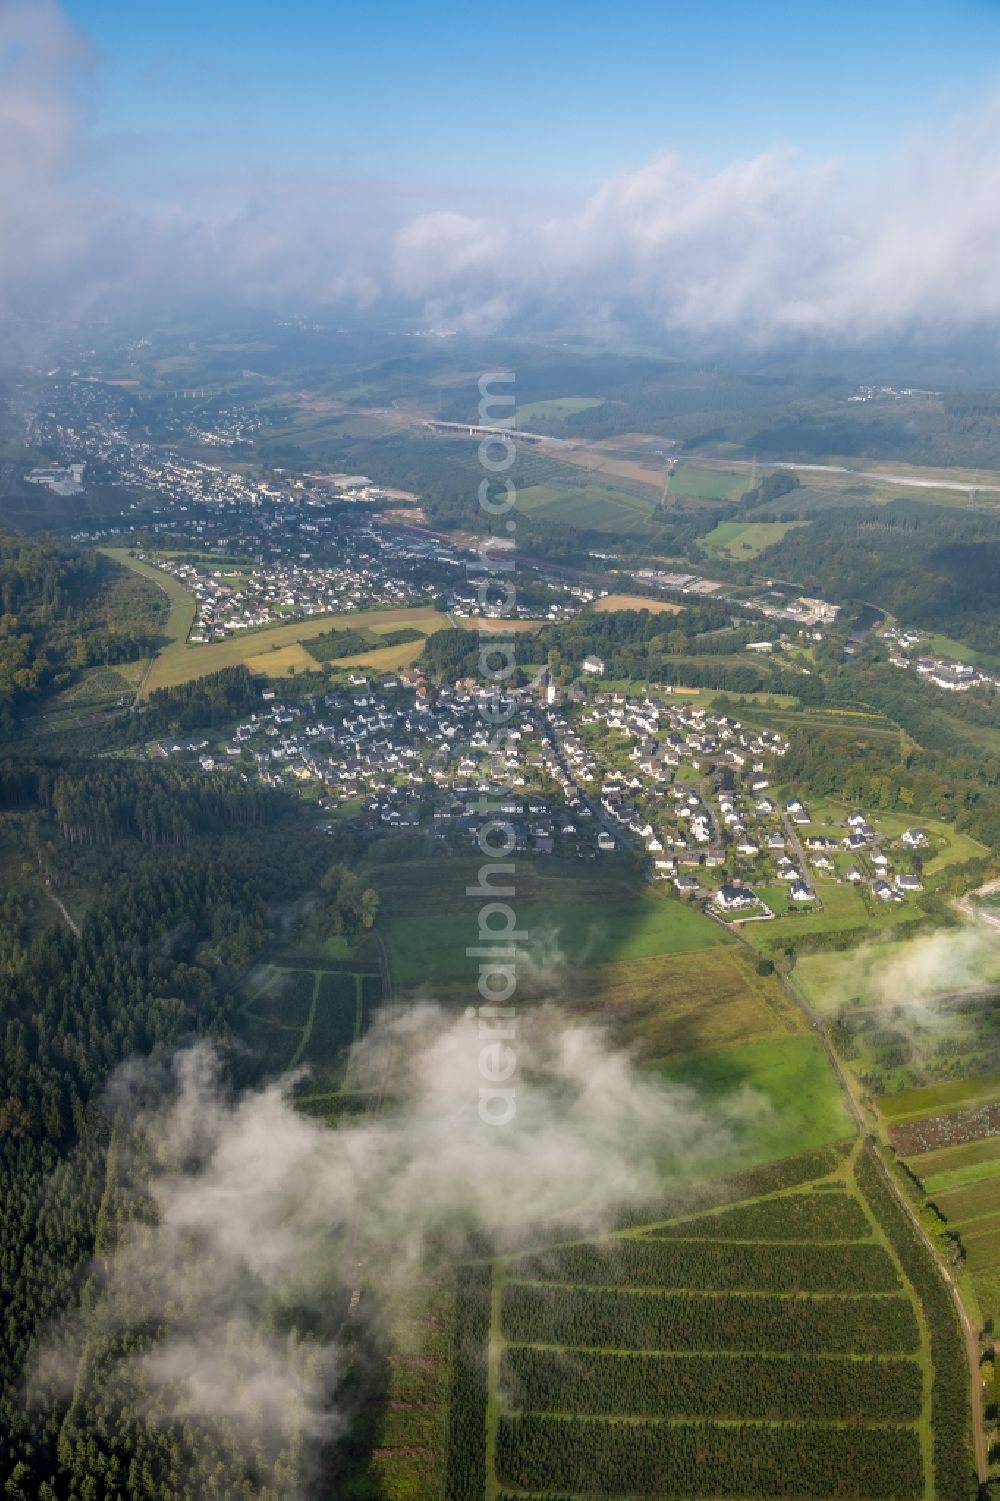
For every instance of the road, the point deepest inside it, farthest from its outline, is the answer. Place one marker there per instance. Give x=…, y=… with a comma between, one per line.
x=910, y=481
x=620, y=835
x=565, y=448
x=792, y=835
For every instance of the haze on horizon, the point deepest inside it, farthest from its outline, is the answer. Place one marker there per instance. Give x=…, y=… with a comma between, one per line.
x=752, y=178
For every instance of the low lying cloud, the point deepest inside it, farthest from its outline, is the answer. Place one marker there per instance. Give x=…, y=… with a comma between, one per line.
x=766, y=249
x=252, y=1210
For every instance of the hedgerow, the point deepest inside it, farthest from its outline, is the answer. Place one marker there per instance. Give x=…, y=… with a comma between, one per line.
x=954, y=1472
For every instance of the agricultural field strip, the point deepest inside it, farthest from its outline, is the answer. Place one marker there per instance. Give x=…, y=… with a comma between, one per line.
x=649, y=1228
x=676, y=1420
x=639, y=1289
x=934, y=1099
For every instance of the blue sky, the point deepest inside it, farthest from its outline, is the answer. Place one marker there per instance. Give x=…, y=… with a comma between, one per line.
x=746, y=169
x=549, y=96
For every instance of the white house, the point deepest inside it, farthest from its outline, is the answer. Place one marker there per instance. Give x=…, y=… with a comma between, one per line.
x=594, y=665
x=735, y=898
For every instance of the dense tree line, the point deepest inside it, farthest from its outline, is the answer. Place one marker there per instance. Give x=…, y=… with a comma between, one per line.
x=158, y=959
x=954, y=1474
x=698, y=648
x=932, y=566
x=100, y=802
x=466, y=1440
x=216, y=699
x=957, y=787
x=717, y=1386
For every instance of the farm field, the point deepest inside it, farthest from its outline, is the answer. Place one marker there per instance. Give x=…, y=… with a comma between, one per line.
x=713, y=1355
x=797, y=1103
x=612, y=602
x=910, y=1104
x=677, y=1005
x=704, y=483
x=744, y=540
x=963, y=1182
x=670, y=985
x=179, y=663
x=888, y=971
x=595, y=507
x=431, y=949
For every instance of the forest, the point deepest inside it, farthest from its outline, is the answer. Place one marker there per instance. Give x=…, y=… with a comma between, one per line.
x=65, y=608
x=931, y=566
x=194, y=868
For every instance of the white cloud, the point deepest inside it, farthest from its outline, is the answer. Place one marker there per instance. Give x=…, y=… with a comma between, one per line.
x=768, y=248
x=258, y=1208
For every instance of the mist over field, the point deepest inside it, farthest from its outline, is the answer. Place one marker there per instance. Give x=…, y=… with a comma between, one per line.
x=256, y=1212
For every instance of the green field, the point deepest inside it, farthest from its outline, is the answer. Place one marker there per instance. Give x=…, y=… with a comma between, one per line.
x=745, y=540
x=593, y=507
x=843, y=909
x=941, y=1167
x=796, y=1103
x=703, y=483
x=431, y=949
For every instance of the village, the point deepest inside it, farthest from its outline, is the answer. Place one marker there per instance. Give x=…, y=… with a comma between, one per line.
x=911, y=650
x=694, y=797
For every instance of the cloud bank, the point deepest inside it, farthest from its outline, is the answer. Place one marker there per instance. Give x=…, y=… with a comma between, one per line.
x=766, y=249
